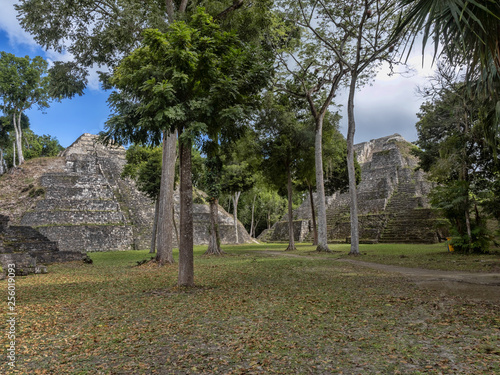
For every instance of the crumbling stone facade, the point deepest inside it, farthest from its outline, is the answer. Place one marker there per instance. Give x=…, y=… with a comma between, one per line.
x=89, y=207
x=392, y=200
x=28, y=249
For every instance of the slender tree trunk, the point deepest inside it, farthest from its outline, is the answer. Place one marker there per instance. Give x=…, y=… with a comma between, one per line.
x=479, y=220
x=165, y=218
x=3, y=168
x=255, y=228
x=186, y=262
x=467, y=219
x=14, y=154
x=350, y=168
x=291, y=238
x=235, y=214
x=313, y=215
x=214, y=238
x=152, y=249
x=176, y=230
x=253, y=212
x=19, y=138
x=320, y=187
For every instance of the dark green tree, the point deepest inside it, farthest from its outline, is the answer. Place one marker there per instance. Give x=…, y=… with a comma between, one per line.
x=194, y=79
x=455, y=152
x=281, y=136
x=213, y=175
x=144, y=166
x=24, y=83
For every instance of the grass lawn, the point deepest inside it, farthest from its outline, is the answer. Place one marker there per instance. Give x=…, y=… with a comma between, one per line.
x=252, y=312
x=435, y=256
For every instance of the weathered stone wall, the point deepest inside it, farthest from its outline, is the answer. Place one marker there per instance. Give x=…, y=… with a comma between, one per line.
x=392, y=198
x=28, y=249
x=301, y=229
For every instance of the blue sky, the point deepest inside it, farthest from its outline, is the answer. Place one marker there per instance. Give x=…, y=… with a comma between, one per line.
x=386, y=107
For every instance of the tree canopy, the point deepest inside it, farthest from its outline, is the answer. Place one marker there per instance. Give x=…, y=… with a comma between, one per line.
x=455, y=152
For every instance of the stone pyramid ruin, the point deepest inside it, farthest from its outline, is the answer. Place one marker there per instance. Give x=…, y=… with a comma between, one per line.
x=89, y=207
x=392, y=201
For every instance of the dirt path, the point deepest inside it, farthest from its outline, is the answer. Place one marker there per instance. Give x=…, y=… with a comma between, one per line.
x=481, y=286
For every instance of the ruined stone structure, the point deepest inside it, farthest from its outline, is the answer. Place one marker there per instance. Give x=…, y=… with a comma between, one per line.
x=28, y=249
x=392, y=200
x=89, y=207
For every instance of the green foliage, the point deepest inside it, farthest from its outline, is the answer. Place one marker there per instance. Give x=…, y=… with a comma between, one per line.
x=144, y=166
x=465, y=31
x=24, y=82
x=457, y=155
x=66, y=80
x=34, y=145
x=213, y=172
x=453, y=199
x=118, y=26
x=196, y=78
x=237, y=177
x=281, y=135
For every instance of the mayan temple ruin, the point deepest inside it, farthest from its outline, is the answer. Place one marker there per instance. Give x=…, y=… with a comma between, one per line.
x=392, y=198
x=86, y=206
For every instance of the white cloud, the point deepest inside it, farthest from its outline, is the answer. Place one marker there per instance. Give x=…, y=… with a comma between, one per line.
x=390, y=104
x=17, y=36
x=10, y=24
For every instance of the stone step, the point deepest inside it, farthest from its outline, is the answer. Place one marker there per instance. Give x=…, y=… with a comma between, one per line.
x=80, y=238
x=77, y=205
x=72, y=180
x=47, y=246
x=40, y=218
x=23, y=233
x=60, y=192
x=58, y=256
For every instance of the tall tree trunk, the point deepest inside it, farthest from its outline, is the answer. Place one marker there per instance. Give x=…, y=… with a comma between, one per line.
x=186, y=262
x=166, y=198
x=313, y=215
x=255, y=228
x=252, y=228
x=214, y=237
x=14, y=154
x=291, y=237
x=19, y=138
x=236, y=197
x=467, y=219
x=152, y=248
x=350, y=168
x=3, y=168
x=175, y=224
x=320, y=187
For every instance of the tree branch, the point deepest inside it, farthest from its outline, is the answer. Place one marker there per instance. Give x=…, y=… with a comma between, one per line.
x=169, y=4
x=183, y=6
x=236, y=5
